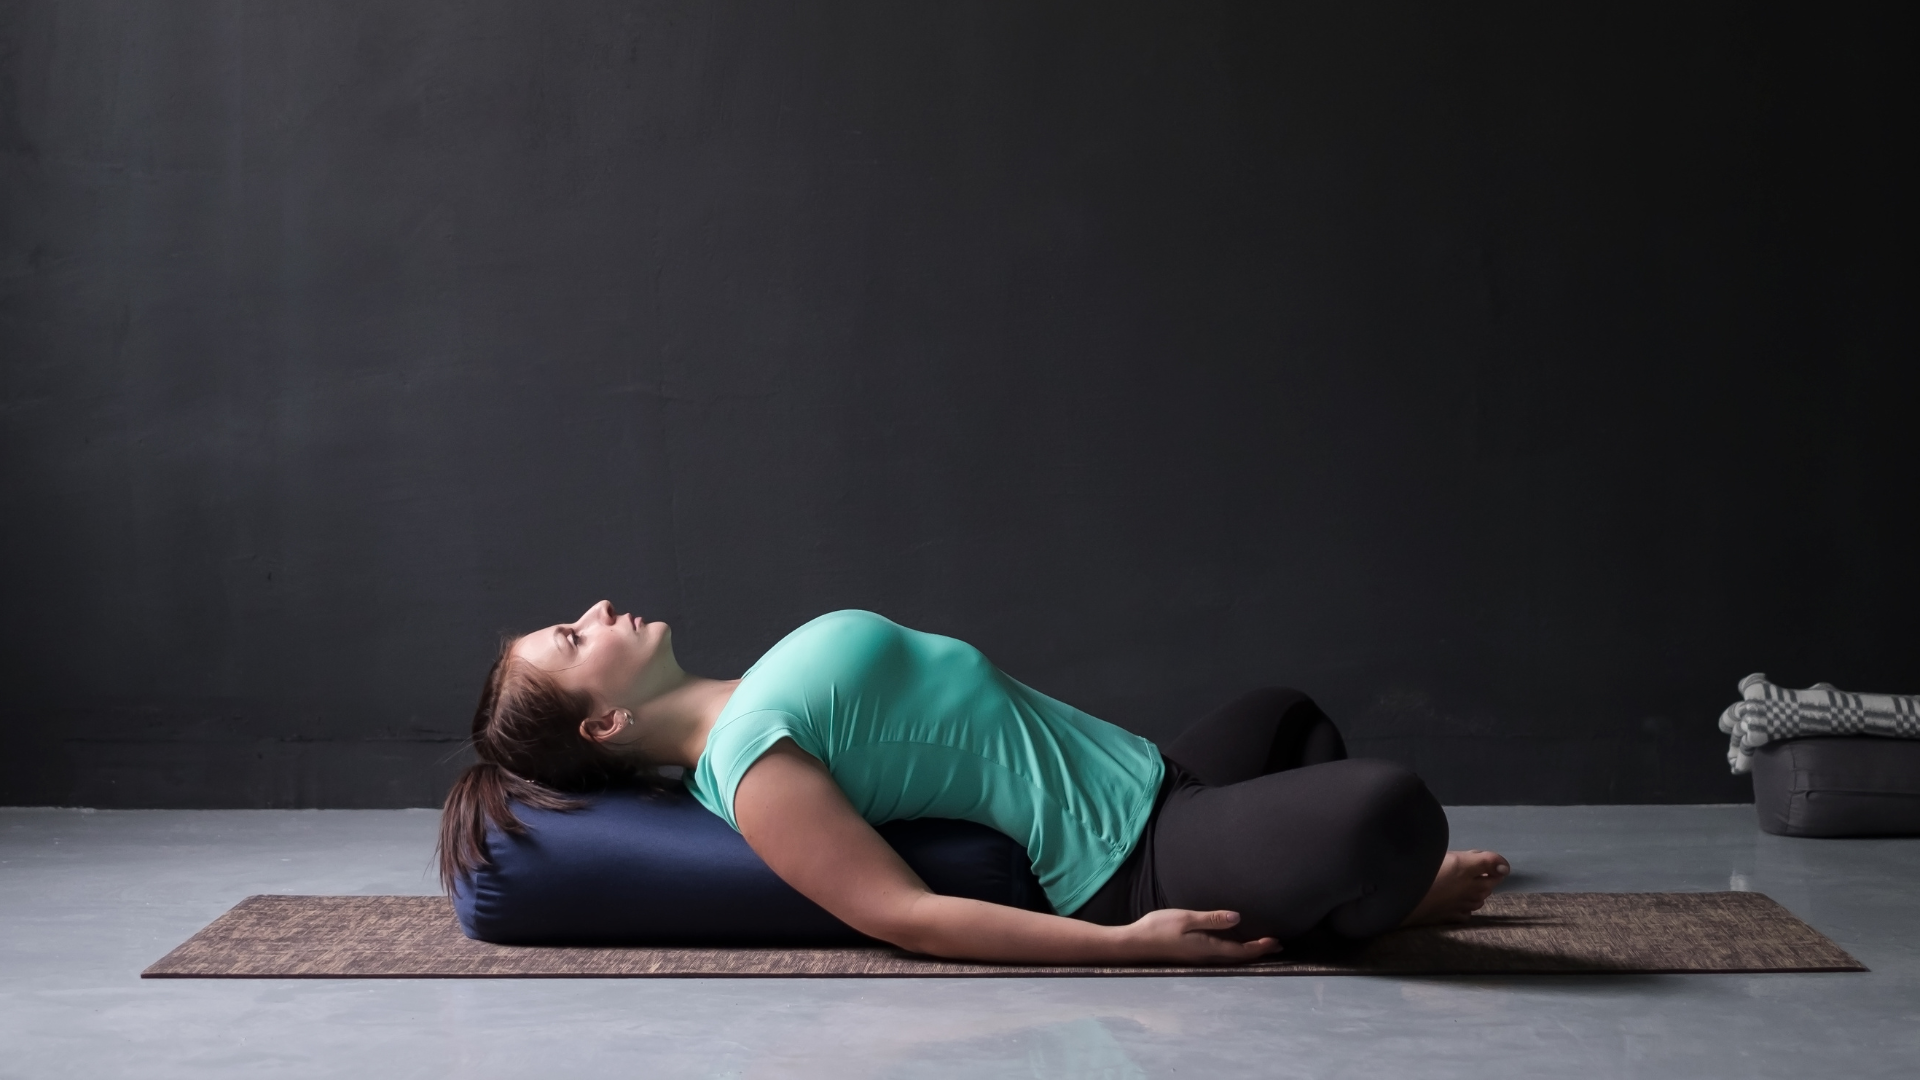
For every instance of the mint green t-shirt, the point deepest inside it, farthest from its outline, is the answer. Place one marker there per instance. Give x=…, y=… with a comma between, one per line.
x=915, y=725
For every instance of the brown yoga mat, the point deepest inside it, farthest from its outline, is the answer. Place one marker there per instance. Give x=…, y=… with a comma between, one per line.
x=416, y=937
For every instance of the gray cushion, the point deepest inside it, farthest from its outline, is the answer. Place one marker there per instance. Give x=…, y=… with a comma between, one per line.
x=1853, y=785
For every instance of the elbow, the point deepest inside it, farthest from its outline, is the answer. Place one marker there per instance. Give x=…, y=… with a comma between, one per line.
x=904, y=935
x=913, y=927
x=927, y=941
x=920, y=943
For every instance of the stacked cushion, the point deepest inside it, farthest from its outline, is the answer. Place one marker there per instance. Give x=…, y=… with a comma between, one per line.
x=1839, y=786
x=657, y=868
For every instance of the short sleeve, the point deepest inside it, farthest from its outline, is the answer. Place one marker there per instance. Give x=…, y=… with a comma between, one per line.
x=733, y=746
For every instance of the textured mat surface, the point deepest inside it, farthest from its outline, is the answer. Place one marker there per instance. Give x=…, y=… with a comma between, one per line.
x=416, y=937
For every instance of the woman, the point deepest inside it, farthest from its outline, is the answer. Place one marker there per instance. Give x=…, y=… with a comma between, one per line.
x=1252, y=830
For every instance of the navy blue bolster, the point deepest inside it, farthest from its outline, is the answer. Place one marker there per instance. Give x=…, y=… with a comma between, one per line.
x=638, y=868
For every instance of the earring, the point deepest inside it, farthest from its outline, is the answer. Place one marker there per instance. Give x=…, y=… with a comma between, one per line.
x=629, y=718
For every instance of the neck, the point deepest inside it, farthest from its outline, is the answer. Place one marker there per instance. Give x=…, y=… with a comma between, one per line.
x=674, y=722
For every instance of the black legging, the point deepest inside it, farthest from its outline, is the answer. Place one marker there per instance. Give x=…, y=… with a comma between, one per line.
x=1263, y=813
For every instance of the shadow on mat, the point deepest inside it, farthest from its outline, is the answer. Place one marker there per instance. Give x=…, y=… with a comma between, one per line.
x=1451, y=950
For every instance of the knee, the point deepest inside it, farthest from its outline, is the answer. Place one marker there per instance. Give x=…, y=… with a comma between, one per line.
x=1395, y=805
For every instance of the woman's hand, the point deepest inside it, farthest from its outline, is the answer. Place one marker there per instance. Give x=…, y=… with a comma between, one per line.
x=1174, y=935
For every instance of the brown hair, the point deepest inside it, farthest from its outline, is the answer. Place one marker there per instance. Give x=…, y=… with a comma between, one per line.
x=526, y=732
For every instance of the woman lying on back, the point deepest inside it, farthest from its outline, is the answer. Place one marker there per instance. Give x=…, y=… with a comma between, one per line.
x=1253, y=828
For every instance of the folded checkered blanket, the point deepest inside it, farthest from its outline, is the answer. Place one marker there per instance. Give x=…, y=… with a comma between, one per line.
x=1768, y=713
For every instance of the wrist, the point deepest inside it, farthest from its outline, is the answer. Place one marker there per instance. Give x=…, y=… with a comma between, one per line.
x=1124, y=943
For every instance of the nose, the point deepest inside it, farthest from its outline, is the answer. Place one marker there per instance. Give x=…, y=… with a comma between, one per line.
x=601, y=612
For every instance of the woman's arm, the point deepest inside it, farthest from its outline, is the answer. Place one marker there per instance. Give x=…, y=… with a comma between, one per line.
x=798, y=820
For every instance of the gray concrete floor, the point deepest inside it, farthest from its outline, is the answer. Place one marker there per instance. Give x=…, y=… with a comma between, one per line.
x=88, y=899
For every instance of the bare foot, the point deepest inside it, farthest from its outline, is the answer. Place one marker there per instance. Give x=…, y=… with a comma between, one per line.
x=1465, y=880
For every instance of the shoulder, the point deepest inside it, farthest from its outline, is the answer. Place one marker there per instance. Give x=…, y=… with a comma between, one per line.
x=734, y=744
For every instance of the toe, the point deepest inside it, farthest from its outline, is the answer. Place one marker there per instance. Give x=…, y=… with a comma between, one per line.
x=1474, y=862
x=1485, y=863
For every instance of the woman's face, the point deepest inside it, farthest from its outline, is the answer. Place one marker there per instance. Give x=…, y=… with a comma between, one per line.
x=615, y=659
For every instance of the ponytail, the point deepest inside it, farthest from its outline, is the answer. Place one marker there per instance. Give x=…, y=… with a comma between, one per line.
x=485, y=793
x=526, y=732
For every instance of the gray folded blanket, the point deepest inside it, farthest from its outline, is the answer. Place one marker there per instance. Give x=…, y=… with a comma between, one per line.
x=1768, y=713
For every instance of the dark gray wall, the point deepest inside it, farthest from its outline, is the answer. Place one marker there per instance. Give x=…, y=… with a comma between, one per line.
x=1515, y=378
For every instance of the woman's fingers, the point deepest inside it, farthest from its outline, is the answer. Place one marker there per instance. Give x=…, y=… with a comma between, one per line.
x=1259, y=947
x=1214, y=920
x=1196, y=937
x=1202, y=935
x=1229, y=951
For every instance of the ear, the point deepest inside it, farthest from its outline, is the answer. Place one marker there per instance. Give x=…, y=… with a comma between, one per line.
x=603, y=726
